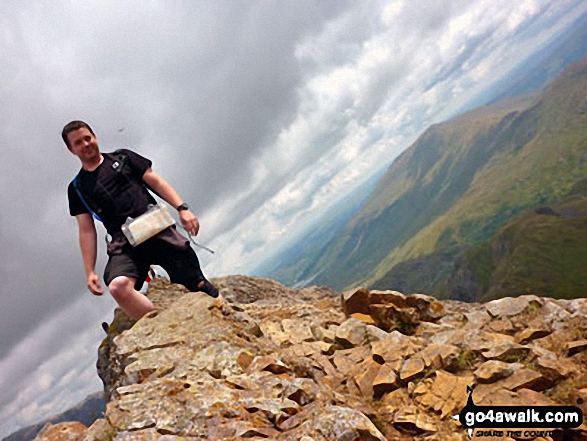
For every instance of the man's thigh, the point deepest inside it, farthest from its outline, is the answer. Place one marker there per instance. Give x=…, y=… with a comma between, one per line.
x=126, y=265
x=181, y=263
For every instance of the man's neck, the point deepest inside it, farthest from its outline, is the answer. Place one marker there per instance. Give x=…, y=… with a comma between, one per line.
x=93, y=164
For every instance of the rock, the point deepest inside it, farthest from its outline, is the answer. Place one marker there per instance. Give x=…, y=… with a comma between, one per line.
x=390, y=317
x=512, y=306
x=526, y=379
x=100, y=430
x=67, y=431
x=529, y=334
x=365, y=318
x=446, y=395
x=356, y=301
x=274, y=331
x=297, y=331
x=503, y=326
x=389, y=298
x=556, y=369
x=429, y=308
x=412, y=421
x=386, y=380
x=350, y=333
x=196, y=368
x=506, y=351
x=413, y=367
x=364, y=374
x=477, y=319
x=574, y=347
x=494, y=370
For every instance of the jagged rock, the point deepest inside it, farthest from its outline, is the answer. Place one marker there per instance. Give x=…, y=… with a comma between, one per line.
x=506, y=350
x=298, y=331
x=411, y=420
x=503, y=326
x=365, y=318
x=365, y=374
x=477, y=319
x=356, y=301
x=556, y=369
x=388, y=298
x=351, y=333
x=266, y=361
x=526, y=379
x=430, y=309
x=386, y=380
x=273, y=331
x=445, y=394
x=511, y=306
x=574, y=347
x=494, y=370
x=101, y=430
x=412, y=368
x=390, y=317
x=529, y=334
x=68, y=431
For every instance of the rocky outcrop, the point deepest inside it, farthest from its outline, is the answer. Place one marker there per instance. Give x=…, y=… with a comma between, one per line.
x=267, y=362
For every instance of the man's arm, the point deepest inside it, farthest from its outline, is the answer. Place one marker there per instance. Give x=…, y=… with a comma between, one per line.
x=89, y=245
x=167, y=192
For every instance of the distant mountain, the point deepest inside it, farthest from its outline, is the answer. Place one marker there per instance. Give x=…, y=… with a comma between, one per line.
x=86, y=412
x=290, y=264
x=529, y=76
x=540, y=250
x=458, y=184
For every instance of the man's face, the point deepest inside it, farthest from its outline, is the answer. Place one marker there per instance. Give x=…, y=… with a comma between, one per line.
x=83, y=144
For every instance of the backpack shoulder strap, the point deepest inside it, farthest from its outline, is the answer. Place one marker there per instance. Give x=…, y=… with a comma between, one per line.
x=79, y=193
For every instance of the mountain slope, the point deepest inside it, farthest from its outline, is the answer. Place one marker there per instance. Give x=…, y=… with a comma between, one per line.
x=86, y=412
x=460, y=181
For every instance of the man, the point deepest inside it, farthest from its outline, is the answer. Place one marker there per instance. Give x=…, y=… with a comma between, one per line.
x=114, y=186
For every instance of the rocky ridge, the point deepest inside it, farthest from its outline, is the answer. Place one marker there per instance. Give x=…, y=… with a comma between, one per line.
x=268, y=362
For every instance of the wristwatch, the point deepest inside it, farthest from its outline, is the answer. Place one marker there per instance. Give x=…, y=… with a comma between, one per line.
x=183, y=206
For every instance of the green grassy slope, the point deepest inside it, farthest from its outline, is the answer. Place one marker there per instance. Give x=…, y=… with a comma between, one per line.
x=541, y=251
x=460, y=182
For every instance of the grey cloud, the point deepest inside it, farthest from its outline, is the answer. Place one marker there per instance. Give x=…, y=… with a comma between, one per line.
x=213, y=81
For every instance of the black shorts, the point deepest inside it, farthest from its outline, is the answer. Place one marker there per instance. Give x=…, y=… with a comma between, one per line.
x=168, y=249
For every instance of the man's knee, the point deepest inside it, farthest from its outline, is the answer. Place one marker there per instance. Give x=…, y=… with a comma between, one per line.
x=121, y=287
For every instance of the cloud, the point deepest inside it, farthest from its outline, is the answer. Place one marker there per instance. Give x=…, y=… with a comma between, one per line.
x=37, y=381
x=419, y=66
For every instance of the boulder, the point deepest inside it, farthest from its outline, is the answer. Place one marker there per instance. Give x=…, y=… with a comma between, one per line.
x=494, y=370
x=67, y=431
x=512, y=306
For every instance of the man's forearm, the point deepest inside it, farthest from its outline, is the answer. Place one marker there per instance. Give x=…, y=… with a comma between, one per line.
x=163, y=189
x=88, y=244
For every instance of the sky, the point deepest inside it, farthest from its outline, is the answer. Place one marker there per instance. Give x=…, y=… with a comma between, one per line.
x=261, y=113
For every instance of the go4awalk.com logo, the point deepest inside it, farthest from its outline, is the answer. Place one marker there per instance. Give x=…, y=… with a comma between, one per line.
x=531, y=418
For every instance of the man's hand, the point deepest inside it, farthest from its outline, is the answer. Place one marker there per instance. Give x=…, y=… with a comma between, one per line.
x=94, y=284
x=189, y=221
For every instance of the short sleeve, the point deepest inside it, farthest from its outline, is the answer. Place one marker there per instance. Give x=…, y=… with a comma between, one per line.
x=138, y=164
x=76, y=206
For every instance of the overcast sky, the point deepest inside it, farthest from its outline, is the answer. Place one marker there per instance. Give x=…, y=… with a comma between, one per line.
x=260, y=113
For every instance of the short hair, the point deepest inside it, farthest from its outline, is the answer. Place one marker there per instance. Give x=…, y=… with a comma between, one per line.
x=72, y=126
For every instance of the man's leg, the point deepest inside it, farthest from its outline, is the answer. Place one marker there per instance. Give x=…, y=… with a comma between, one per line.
x=128, y=298
x=183, y=267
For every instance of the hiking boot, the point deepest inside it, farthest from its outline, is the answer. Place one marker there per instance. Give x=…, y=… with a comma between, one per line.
x=208, y=288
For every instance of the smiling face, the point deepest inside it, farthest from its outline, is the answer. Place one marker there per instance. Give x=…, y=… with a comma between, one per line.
x=83, y=144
